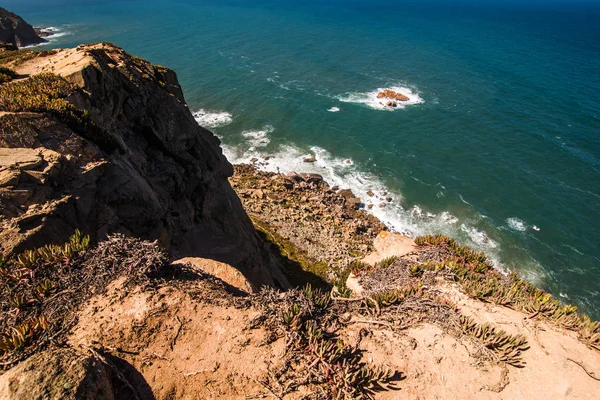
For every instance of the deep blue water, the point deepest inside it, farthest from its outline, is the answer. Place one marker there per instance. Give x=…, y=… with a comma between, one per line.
x=501, y=148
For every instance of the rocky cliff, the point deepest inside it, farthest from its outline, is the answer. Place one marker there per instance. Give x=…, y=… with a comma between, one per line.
x=96, y=139
x=14, y=30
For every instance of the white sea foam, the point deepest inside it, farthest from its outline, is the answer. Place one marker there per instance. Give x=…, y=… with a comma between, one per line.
x=54, y=32
x=258, y=138
x=334, y=109
x=478, y=237
x=516, y=224
x=370, y=99
x=346, y=174
x=212, y=119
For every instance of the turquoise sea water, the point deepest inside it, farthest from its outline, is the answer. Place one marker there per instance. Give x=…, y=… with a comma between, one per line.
x=500, y=146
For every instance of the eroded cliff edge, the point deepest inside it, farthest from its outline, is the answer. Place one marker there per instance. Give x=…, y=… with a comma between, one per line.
x=96, y=139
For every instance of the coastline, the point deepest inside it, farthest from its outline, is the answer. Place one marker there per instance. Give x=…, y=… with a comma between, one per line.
x=296, y=212
x=284, y=285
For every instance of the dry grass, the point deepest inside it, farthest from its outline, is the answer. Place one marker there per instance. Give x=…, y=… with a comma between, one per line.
x=42, y=289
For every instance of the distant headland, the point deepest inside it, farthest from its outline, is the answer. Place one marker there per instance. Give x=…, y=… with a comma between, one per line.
x=14, y=30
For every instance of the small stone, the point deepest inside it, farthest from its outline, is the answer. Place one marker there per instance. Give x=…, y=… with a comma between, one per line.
x=254, y=160
x=388, y=199
x=335, y=188
x=382, y=205
x=370, y=206
x=310, y=159
x=370, y=193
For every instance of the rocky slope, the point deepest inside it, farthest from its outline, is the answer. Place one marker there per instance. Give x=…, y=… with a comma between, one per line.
x=14, y=30
x=104, y=142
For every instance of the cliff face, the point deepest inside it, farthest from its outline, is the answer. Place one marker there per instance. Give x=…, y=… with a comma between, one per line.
x=122, y=154
x=14, y=30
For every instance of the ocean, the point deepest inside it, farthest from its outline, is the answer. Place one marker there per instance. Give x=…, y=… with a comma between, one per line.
x=498, y=145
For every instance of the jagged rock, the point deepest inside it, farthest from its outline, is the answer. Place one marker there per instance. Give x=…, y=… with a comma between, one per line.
x=312, y=178
x=149, y=170
x=350, y=200
x=14, y=30
x=294, y=176
x=390, y=94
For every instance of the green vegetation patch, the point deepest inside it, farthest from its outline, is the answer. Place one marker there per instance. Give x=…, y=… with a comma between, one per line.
x=15, y=57
x=48, y=93
x=294, y=258
x=6, y=75
x=316, y=358
x=480, y=281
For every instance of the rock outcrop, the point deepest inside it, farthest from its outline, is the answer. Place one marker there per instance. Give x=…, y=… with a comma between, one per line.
x=121, y=153
x=14, y=30
x=390, y=94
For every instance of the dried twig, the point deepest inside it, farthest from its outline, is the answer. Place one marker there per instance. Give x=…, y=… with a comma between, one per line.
x=172, y=343
x=590, y=374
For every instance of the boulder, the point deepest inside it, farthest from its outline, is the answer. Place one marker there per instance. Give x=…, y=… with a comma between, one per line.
x=58, y=374
x=388, y=244
x=225, y=272
x=349, y=199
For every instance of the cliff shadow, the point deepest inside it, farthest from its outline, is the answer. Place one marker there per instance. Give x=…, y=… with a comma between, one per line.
x=297, y=267
x=128, y=383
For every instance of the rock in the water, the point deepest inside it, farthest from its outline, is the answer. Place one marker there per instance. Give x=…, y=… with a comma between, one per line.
x=311, y=159
x=390, y=94
x=370, y=193
x=313, y=178
x=14, y=30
